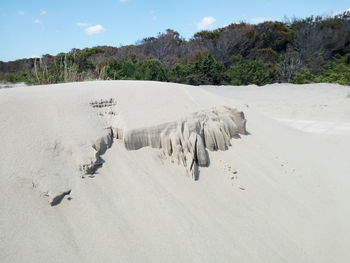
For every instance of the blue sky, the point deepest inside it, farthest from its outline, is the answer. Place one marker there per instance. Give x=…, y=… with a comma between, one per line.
x=34, y=27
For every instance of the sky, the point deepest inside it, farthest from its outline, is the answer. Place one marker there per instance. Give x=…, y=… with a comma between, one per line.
x=31, y=28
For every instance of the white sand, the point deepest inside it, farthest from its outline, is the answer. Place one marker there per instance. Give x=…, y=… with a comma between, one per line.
x=280, y=194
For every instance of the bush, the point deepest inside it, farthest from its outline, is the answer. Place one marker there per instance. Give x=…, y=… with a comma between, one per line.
x=303, y=76
x=152, y=69
x=336, y=71
x=206, y=70
x=18, y=76
x=123, y=69
x=178, y=73
x=250, y=71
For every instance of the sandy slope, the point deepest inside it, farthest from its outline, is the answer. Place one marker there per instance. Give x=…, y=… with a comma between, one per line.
x=279, y=194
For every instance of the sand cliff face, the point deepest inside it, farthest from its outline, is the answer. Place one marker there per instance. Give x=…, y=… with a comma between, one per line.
x=184, y=141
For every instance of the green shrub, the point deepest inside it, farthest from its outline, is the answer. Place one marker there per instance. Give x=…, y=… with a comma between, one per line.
x=178, y=73
x=18, y=76
x=336, y=71
x=250, y=71
x=152, y=69
x=123, y=69
x=205, y=70
x=303, y=76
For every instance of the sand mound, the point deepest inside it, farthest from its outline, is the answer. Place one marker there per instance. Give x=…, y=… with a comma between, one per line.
x=84, y=124
x=111, y=157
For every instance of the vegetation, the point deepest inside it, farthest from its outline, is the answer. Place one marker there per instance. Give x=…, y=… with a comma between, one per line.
x=315, y=49
x=251, y=71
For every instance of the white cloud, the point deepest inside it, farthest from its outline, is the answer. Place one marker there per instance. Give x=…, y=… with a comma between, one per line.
x=20, y=13
x=258, y=20
x=93, y=30
x=82, y=24
x=36, y=21
x=43, y=12
x=206, y=23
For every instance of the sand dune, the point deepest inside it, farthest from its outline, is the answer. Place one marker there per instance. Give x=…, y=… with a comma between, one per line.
x=103, y=172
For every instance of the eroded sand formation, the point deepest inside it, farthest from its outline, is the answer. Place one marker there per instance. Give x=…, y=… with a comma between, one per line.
x=184, y=141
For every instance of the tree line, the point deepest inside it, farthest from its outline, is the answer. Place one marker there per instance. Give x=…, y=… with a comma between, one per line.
x=314, y=49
